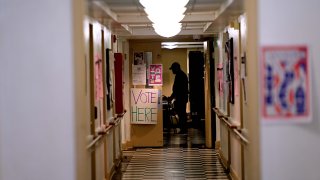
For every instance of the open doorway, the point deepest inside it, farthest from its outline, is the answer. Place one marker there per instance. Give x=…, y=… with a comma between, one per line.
x=196, y=89
x=195, y=135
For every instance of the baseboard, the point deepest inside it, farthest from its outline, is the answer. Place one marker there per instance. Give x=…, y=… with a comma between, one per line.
x=223, y=160
x=112, y=172
x=126, y=146
x=117, y=162
x=217, y=145
x=233, y=174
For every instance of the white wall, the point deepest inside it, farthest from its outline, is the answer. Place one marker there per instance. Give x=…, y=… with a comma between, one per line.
x=42, y=92
x=292, y=151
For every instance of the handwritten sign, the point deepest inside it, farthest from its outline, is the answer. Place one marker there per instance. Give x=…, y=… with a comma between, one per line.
x=144, y=105
x=155, y=74
x=285, y=84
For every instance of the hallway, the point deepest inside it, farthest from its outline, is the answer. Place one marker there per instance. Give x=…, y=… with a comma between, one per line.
x=81, y=83
x=183, y=157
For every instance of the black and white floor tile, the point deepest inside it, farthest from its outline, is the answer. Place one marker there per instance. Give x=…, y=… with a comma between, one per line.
x=182, y=158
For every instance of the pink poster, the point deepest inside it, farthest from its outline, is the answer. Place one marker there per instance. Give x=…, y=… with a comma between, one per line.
x=98, y=77
x=220, y=78
x=236, y=77
x=155, y=74
x=285, y=84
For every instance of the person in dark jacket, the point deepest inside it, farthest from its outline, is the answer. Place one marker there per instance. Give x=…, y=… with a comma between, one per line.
x=180, y=94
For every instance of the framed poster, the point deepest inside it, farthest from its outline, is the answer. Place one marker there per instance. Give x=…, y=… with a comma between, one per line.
x=155, y=74
x=220, y=79
x=230, y=68
x=285, y=85
x=108, y=80
x=139, y=75
x=138, y=58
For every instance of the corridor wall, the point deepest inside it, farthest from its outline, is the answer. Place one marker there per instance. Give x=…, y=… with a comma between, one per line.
x=104, y=137
x=123, y=46
x=146, y=135
x=291, y=150
x=42, y=92
x=231, y=146
x=234, y=32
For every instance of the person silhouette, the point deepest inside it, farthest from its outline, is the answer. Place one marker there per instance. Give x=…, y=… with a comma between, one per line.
x=180, y=94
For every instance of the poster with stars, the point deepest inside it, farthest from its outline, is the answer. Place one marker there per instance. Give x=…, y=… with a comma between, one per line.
x=285, y=86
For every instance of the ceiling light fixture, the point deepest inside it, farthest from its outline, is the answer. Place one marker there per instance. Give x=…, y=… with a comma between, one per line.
x=167, y=30
x=166, y=19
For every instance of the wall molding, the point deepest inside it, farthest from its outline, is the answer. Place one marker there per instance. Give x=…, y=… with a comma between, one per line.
x=223, y=160
x=218, y=145
x=127, y=146
x=233, y=174
x=112, y=172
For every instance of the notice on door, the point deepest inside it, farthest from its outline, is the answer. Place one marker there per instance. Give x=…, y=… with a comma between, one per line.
x=144, y=105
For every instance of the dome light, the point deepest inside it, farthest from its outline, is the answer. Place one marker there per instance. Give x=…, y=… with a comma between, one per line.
x=165, y=18
x=167, y=30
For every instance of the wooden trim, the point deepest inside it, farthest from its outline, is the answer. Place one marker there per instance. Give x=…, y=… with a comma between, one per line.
x=105, y=159
x=241, y=104
x=233, y=174
x=127, y=146
x=240, y=136
x=98, y=138
x=225, y=119
x=112, y=172
x=218, y=145
x=92, y=125
x=229, y=151
x=91, y=70
x=104, y=109
x=241, y=85
x=242, y=163
x=115, y=166
x=103, y=52
x=223, y=160
x=114, y=144
x=93, y=165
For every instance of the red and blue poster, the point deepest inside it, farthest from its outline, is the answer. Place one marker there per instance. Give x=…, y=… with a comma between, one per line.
x=285, y=84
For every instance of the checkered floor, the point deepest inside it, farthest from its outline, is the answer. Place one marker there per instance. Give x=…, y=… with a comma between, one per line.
x=174, y=164
x=183, y=157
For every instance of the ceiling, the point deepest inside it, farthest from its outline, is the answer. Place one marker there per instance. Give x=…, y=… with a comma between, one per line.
x=203, y=18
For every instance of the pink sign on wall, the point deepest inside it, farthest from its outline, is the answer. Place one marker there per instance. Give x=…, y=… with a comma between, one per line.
x=98, y=77
x=285, y=84
x=155, y=74
x=220, y=78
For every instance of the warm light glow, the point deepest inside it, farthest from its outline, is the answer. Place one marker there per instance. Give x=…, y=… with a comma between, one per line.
x=168, y=43
x=165, y=15
x=170, y=46
x=159, y=10
x=167, y=30
x=165, y=18
x=163, y=3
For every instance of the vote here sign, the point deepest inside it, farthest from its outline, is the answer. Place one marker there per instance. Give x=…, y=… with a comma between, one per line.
x=144, y=106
